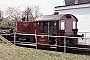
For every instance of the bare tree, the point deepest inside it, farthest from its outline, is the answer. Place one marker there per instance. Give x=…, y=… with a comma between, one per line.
x=31, y=13
x=13, y=12
x=36, y=10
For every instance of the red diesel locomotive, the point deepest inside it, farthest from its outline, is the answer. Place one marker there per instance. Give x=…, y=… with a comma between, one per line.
x=50, y=25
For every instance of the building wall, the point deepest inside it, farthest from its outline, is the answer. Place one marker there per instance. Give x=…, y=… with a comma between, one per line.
x=73, y=2
x=84, y=1
x=69, y=2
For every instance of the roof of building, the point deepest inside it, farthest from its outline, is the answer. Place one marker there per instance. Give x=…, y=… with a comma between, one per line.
x=71, y=5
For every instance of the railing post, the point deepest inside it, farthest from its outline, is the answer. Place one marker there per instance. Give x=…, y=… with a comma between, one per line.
x=14, y=37
x=85, y=37
x=36, y=39
x=64, y=44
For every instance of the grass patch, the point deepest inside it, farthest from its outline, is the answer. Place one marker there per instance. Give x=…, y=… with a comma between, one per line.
x=12, y=52
x=2, y=42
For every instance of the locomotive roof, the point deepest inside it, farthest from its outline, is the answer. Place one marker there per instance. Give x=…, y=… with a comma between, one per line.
x=52, y=17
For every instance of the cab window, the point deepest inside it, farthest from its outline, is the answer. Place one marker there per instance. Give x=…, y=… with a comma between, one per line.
x=62, y=24
x=74, y=24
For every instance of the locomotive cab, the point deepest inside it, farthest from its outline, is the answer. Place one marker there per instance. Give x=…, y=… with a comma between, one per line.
x=57, y=25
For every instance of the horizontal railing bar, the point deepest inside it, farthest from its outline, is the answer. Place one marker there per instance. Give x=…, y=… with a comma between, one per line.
x=50, y=36
x=83, y=32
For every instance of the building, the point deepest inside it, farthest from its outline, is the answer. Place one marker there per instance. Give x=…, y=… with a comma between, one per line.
x=73, y=2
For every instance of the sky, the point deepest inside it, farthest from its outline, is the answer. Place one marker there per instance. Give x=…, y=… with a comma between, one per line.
x=46, y=6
